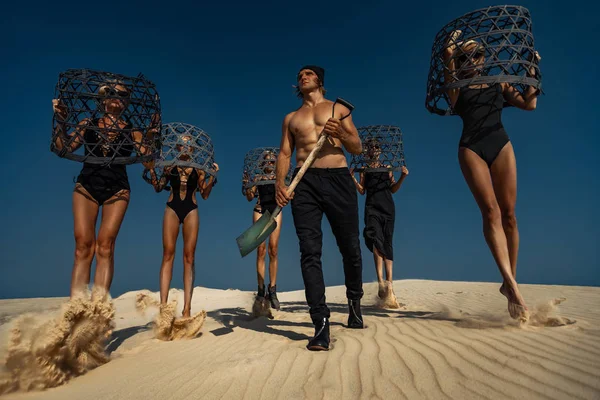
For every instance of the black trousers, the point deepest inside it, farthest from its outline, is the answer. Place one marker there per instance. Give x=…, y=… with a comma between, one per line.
x=330, y=191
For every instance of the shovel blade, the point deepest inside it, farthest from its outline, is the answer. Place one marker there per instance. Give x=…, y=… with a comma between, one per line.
x=256, y=234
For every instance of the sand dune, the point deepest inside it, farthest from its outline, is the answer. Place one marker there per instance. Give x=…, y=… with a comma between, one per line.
x=448, y=340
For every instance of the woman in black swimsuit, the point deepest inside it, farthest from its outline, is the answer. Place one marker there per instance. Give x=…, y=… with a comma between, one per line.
x=105, y=186
x=266, y=201
x=380, y=212
x=487, y=159
x=181, y=210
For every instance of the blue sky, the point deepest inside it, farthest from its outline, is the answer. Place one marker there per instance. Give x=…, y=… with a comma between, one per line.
x=229, y=68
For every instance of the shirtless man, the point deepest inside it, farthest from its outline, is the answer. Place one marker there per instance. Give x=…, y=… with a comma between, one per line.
x=327, y=187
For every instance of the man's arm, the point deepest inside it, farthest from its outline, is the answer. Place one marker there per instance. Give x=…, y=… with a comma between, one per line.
x=286, y=148
x=344, y=130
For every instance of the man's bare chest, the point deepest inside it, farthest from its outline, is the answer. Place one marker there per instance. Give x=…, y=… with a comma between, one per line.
x=309, y=122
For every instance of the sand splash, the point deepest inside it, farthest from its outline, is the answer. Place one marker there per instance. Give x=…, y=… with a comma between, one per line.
x=540, y=316
x=387, y=298
x=166, y=326
x=46, y=352
x=262, y=308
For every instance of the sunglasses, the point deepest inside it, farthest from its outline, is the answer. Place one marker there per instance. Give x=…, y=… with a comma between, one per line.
x=115, y=92
x=478, y=54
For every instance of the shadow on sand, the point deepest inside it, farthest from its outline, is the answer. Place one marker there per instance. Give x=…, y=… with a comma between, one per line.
x=239, y=317
x=118, y=337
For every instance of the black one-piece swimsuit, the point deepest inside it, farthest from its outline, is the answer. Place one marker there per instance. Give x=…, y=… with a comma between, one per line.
x=104, y=181
x=266, y=194
x=182, y=207
x=481, y=112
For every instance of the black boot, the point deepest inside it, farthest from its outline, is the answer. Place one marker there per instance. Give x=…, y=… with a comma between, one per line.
x=320, y=342
x=262, y=292
x=261, y=306
x=273, y=297
x=355, y=319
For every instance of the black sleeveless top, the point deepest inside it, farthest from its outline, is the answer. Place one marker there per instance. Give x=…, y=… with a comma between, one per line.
x=481, y=112
x=266, y=193
x=96, y=146
x=379, y=195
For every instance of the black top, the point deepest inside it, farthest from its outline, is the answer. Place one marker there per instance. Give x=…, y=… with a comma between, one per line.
x=481, y=112
x=266, y=193
x=379, y=194
x=96, y=146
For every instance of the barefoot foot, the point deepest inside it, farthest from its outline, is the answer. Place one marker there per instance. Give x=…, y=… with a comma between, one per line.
x=382, y=289
x=516, y=305
x=503, y=290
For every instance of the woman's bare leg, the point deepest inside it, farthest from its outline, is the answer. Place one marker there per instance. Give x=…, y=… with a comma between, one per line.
x=191, y=224
x=273, y=251
x=170, y=233
x=504, y=179
x=378, y=259
x=388, y=269
x=261, y=254
x=478, y=177
x=85, y=214
x=271, y=292
x=113, y=212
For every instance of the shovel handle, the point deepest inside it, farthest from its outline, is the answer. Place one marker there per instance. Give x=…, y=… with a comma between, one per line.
x=307, y=163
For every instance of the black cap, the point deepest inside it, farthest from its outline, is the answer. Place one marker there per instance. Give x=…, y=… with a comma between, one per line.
x=317, y=70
